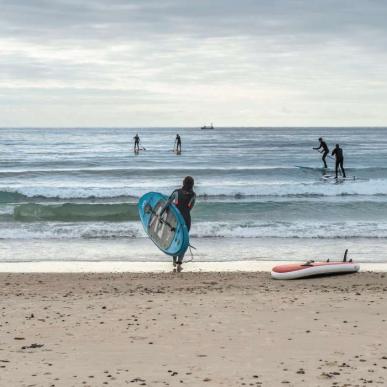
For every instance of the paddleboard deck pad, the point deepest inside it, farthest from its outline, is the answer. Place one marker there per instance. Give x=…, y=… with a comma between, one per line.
x=169, y=231
x=311, y=269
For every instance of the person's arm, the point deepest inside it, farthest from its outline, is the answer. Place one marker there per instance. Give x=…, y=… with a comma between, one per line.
x=333, y=152
x=318, y=147
x=192, y=202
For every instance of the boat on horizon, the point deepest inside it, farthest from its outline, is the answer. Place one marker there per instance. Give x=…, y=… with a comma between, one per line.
x=205, y=127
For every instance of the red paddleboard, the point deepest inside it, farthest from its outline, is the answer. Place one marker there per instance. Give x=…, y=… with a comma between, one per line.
x=302, y=270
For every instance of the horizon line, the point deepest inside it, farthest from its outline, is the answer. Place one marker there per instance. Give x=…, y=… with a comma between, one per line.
x=199, y=127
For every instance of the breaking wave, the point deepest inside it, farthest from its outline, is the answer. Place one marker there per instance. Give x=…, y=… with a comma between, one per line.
x=114, y=230
x=376, y=187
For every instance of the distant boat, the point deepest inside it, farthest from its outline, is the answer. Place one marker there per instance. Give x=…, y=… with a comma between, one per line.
x=205, y=127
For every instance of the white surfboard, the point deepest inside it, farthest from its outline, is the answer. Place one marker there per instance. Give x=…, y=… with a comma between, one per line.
x=312, y=269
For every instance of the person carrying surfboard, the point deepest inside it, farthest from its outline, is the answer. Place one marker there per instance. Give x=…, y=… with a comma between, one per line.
x=324, y=150
x=136, y=143
x=338, y=153
x=184, y=199
x=177, y=144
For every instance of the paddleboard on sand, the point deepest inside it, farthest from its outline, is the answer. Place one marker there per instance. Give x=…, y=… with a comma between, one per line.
x=313, y=269
x=169, y=231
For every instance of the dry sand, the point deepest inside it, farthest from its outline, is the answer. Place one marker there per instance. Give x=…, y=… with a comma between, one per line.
x=192, y=329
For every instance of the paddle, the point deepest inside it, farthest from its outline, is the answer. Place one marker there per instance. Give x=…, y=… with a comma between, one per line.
x=329, y=156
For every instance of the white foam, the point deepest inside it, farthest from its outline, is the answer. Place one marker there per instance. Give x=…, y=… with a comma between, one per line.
x=299, y=229
x=368, y=188
x=69, y=230
x=124, y=230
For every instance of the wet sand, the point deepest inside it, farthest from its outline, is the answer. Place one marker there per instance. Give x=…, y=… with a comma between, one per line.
x=193, y=329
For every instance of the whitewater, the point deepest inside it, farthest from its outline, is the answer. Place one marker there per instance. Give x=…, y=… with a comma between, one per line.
x=71, y=194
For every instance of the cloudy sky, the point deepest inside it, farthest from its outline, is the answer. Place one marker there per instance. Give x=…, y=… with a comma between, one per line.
x=189, y=62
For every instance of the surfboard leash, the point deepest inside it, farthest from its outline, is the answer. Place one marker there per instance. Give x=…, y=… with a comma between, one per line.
x=191, y=253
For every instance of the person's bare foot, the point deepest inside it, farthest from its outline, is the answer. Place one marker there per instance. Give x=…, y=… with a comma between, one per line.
x=179, y=267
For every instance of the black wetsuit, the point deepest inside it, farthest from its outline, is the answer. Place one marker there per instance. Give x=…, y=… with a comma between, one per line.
x=184, y=201
x=338, y=152
x=178, y=143
x=325, y=152
x=136, y=143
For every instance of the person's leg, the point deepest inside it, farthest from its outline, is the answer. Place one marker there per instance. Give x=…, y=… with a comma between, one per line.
x=180, y=257
x=337, y=168
x=323, y=159
x=179, y=267
x=342, y=167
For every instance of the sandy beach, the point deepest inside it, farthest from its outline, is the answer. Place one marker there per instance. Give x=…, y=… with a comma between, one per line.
x=193, y=329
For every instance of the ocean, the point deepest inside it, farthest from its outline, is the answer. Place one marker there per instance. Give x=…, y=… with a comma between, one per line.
x=71, y=194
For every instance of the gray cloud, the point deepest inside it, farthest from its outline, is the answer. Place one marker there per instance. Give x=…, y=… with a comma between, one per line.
x=172, y=62
x=103, y=18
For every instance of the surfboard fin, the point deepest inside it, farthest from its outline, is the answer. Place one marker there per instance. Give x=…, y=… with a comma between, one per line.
x=345, y=255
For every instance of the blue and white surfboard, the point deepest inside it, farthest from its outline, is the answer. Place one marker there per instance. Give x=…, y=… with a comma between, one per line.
x=169, y=232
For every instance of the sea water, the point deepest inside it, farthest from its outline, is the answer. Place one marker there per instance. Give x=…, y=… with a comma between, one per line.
x=71, y=194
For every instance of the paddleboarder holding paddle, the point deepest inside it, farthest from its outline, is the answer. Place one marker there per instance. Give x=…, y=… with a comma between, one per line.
x=177, y=143
x=184, y=199
x=338, y=153
x=324, y=151
x=136, y=143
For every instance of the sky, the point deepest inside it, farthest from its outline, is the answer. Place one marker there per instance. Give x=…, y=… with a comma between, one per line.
x=133, y=63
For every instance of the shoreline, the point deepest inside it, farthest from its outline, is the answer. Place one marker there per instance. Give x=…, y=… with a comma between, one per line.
x=153, y=267
x=207, y=250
